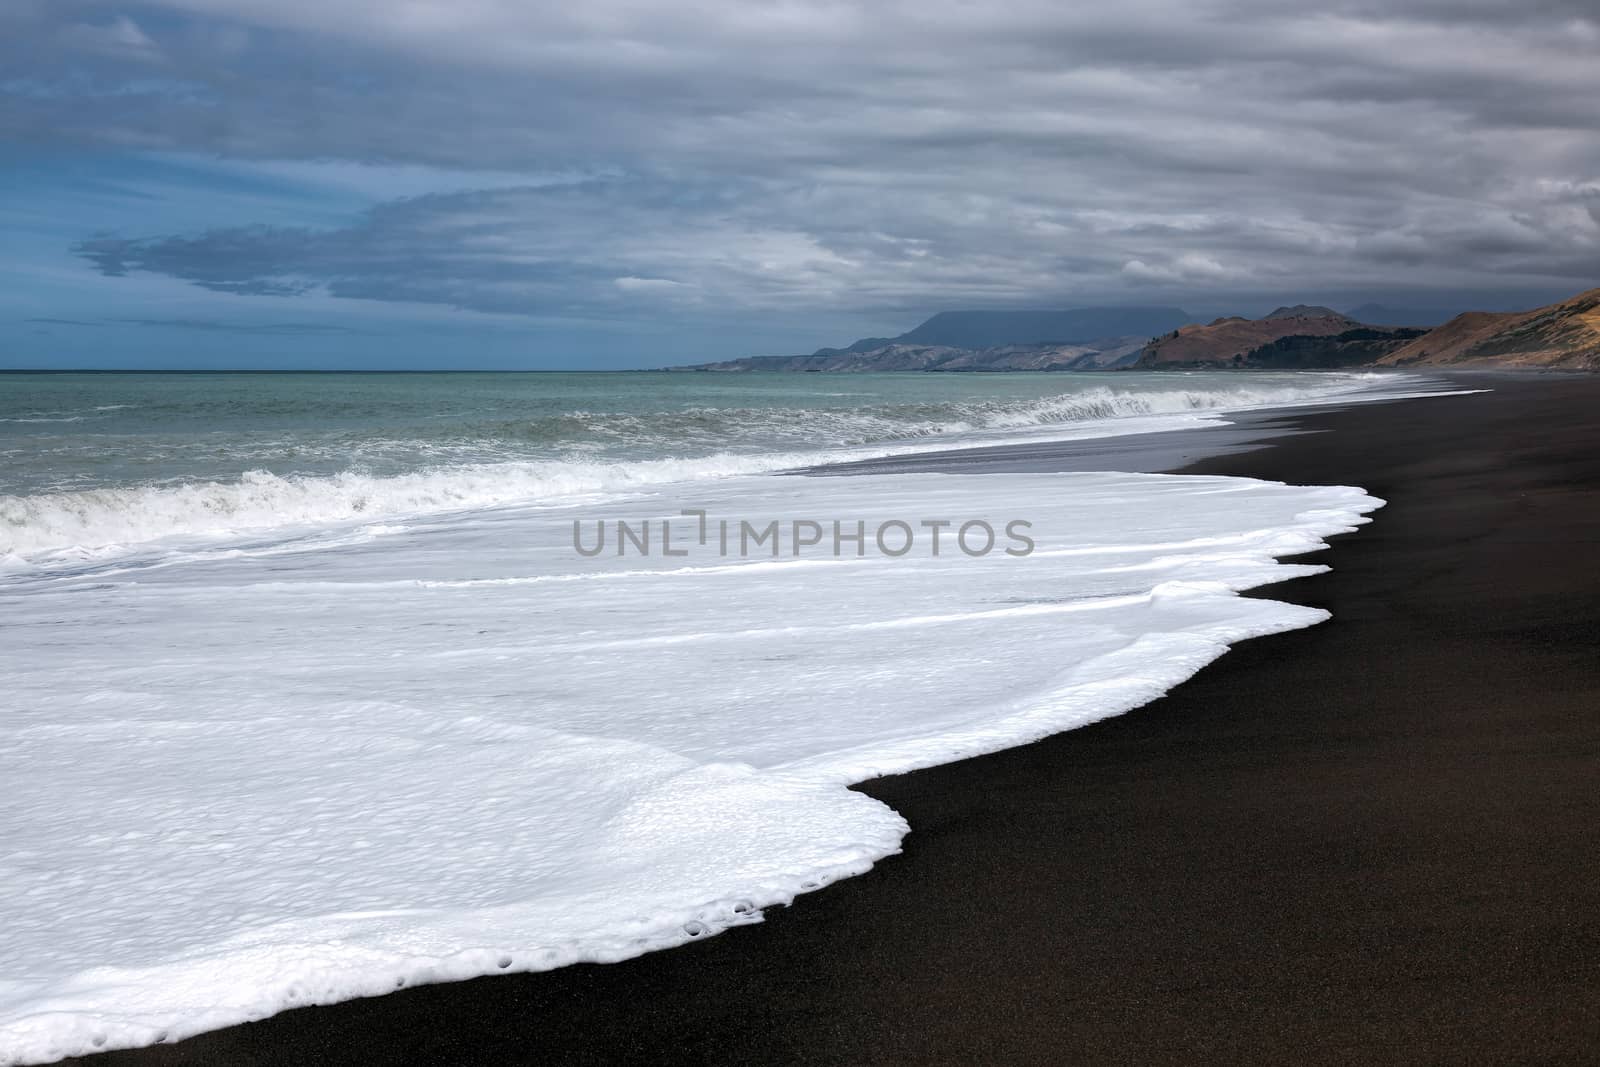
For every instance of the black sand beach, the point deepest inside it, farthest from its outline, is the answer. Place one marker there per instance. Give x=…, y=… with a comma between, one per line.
x=1377, y=840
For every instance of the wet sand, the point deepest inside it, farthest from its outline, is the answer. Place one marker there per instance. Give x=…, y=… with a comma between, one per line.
x=1377, y=840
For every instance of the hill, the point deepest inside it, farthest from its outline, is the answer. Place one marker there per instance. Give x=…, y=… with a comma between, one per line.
x=1562, y=336
x=1229, y=341
x=1358, y=347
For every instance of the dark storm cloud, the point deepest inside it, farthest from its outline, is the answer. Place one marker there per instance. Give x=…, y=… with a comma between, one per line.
x=855, y=156
x=234, y=261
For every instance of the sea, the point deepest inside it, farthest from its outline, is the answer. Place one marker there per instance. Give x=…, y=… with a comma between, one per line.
x=318, y=686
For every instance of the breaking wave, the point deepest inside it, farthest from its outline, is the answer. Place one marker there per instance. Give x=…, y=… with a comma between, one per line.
x=592, y=454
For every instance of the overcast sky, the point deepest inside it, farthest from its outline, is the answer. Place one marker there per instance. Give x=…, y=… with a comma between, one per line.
x=612, y=183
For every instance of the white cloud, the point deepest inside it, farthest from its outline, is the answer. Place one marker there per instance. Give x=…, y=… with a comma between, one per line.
x=648, y=285
x=120, y=38
x=1187, y=268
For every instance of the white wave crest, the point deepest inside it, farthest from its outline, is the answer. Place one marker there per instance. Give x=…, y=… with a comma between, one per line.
x=97, y=522
x=94, y=523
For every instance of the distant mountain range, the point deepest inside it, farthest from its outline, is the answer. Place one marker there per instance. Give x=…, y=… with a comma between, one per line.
x=1564, y=335
x=1105, y=354
x=988, y=329
x=1076, y=339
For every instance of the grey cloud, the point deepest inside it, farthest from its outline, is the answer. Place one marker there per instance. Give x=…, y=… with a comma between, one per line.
x=856, y=157
x=118, y=38
x=653, y=247
x=234, y=261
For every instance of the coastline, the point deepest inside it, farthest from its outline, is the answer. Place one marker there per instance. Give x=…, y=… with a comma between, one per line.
x=1361, y=840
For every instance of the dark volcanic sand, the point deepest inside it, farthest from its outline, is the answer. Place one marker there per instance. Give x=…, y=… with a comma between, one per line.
x=1374, y=840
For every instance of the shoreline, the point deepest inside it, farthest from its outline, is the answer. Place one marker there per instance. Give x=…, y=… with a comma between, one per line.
x=1360, y=840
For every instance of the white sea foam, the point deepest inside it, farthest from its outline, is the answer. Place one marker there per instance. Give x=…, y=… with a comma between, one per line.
x=88, y=524
x=251, y=781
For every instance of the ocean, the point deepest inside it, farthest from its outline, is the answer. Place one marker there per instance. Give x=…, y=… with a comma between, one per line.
x=95, y=465
x=321, y=685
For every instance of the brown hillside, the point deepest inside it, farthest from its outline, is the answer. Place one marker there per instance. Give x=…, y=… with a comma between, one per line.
x=1222, y=340
x=1564, y=335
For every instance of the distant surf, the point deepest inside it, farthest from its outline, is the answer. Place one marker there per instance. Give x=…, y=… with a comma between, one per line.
x=279, y=453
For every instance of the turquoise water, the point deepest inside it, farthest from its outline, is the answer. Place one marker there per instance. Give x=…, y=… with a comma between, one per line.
x=95, y=463
x=85, y=431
